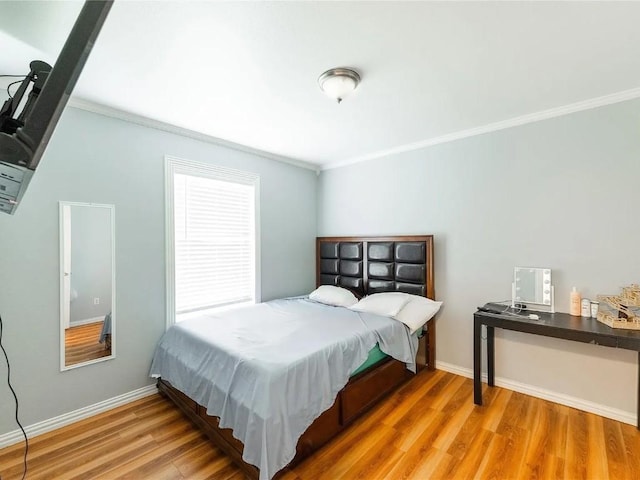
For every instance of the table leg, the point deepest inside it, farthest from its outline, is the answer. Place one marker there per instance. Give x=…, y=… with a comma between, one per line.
x=490, y=357
x=638, y=401
x=477, y=361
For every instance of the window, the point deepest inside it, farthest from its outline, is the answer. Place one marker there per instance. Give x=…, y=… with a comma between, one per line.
x=212, y=237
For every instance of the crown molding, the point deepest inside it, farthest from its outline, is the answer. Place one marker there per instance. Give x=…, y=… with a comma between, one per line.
x=491, y=127
x=494, y=127
x=185, y=132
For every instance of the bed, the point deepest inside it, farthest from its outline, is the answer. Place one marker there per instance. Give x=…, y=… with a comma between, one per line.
x=364, y=265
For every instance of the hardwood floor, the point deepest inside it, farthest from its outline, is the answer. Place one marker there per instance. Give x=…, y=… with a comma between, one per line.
x=428, y=429
x=82, y=344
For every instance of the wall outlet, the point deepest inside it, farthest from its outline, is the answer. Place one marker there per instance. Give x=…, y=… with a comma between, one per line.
x=96, y=301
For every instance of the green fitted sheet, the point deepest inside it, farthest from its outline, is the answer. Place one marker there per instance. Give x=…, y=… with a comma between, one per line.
x=375, y=355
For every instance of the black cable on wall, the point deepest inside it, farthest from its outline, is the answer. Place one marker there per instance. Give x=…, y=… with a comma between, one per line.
x=15, y=397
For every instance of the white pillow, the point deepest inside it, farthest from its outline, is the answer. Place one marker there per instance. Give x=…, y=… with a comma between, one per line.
x=417, y=312
x=331, y=295
x=388, y=303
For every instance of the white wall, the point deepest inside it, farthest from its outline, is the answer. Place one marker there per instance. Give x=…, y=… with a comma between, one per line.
x=562, y=193
x=92, y=158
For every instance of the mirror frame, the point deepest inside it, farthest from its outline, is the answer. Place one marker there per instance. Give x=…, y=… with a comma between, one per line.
x=548, y=303
x=111, y=208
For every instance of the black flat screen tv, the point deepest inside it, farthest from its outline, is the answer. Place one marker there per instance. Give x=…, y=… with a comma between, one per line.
x=27, y=126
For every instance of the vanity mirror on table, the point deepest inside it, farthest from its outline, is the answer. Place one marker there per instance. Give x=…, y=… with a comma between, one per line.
x=87, y=284
x=532, y=289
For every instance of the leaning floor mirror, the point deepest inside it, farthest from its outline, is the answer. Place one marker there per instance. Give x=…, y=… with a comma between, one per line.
x=87, y=284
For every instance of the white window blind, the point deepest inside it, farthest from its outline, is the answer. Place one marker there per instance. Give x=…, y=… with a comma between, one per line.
x=214, y=241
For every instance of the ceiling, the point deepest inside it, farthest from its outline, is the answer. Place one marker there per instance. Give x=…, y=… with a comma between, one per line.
x=246, y=72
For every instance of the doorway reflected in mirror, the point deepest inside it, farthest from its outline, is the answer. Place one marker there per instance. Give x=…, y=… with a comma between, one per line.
x=87, y=320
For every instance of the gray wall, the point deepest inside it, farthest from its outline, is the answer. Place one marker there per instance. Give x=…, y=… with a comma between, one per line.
x=92, y=158
x=561, y=193
x=90, y=262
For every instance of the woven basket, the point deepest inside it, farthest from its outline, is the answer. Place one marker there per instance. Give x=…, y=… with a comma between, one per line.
x=615, y=322
x=614, y=308
x=631, y=295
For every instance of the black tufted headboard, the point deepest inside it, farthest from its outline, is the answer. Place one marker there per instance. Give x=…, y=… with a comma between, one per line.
x=369, y=265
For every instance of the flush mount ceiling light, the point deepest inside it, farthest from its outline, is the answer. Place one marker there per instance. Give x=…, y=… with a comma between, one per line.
x=339, y=82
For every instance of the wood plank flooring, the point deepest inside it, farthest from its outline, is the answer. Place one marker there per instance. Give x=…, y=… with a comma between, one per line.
x=82, y=344
x=428, y=429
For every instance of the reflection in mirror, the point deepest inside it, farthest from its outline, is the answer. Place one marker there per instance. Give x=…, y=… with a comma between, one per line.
x=87, y=283
x=532, y=286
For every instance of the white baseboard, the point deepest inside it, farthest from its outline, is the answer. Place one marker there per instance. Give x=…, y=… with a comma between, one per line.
x=562, y=399
x=86, y=321
x=71, y=417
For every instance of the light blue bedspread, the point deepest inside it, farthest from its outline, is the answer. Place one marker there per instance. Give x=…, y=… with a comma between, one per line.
x=269, y=370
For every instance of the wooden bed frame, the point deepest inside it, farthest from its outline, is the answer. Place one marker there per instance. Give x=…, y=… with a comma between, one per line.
x=363, y=390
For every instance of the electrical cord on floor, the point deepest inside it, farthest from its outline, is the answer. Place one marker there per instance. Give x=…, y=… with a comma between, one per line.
x=26, y=440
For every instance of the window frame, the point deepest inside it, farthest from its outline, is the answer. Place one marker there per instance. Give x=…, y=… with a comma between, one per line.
x=175, y=165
